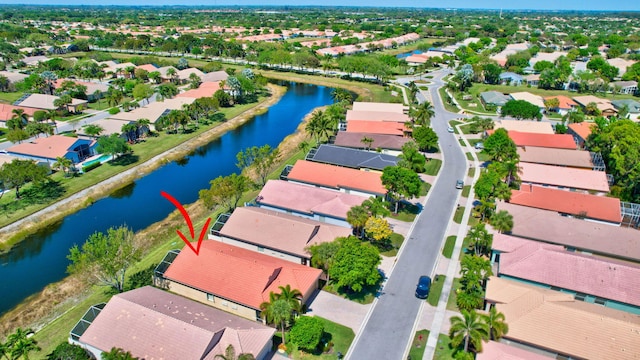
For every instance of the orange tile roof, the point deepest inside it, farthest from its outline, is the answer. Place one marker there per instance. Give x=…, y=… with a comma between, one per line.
x=148, y=67
x=376, y=116
x=337, y=177
x=564, y=102
x=585, y=179
x=6, y=111
x=555, y=321
x=568, y=202
x=206, y=89
x=583, y=129
x=376, y=127
x=559, y=141
x=45, y=147
x=239, y=275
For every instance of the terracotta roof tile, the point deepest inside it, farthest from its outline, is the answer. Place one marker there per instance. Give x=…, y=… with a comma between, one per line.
x=494, y=350
x=583, y=129
x=49, y=147
x=555, y=321
x=276, y=230
x=239, y=275
x=337, y=177
x=206, y=89
x=560, y=141
x=568, y=202
x=376, y=127
x=376, y=106
x=564, y=176
x=6, y=111
x=551, y=156
x=565, y=102
x=538, y=127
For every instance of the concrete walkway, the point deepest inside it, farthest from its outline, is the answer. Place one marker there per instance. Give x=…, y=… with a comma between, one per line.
x=338, y=309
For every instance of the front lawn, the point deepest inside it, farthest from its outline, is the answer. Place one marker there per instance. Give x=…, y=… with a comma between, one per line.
x=436, y=290
x=365, y=296
x=452, y=302
x=449, y=107
x=339, y=336
x=447, y=250
x=465, y=190
x=443, y=349
x=457, y=217
x=10, y=97
x=432, y=167
x=394, y=244
x=419, y=344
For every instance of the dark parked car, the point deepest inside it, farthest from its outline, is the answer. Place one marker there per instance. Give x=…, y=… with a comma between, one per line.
x=424, y=285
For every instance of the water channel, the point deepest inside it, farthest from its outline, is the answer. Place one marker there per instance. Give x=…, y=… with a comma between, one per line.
x=41, y=258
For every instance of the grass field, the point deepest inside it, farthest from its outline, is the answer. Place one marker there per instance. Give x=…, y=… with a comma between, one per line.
x=433, y=167
x=436, y=290
x=449, y=107
x=10, y=97
x=443, y=349
x=465, y=190
x=457, y=217
x=451, y=302
x=449, y=244
x=341, y=337
x=418, y=345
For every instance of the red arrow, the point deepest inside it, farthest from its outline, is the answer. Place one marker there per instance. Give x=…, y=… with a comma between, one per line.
x=187, y=218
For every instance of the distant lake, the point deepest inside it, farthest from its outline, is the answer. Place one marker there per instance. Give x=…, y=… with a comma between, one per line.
x=41, y=258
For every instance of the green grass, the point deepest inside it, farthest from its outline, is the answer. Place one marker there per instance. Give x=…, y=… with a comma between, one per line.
x=419, y=344
x=462, y=143
x=432, y=167
x=447, y=250
x=436, y=290
x=471, y=172
x=469, y=156
x=457, y=217
x=406, y=212
x=10, y=97
x=482, y=156
x=365, y=296
x=451, y=302
x=465, y=190
x=341, y=337
x=449, y=107
x=424, y=189
x=395, y=242
x=443, y=348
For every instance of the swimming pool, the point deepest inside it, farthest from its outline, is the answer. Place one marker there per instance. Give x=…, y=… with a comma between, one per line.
x=101, y=159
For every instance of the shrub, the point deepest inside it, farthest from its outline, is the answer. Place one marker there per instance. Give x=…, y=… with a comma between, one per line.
x=114, y=110
x=66, y=351
x=307, y=333
x=91, y=167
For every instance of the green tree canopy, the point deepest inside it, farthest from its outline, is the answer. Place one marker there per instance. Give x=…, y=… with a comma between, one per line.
x=520, y=109
x=260, y=159
x=307, y=333
x=17, y=173
x=226, y=191
x=355, y=264
x=113, y=145
x=401, y=183
x=426, y=138
x=468, y=330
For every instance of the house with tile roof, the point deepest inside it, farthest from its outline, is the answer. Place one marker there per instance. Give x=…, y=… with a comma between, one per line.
x=377, y=116
x=274, y=233
x=589, y=278
x=109, y=127
x=154, y=324
x=215, y=76
x=6, y=113
x=556, y=141
x=604, y=106
x=376, y=106
x=557, y=157
x=580, y=132
x=556, y=322
x=494, y=98
x=569, y=203
x=624, y=87
x=47, y=149
x=153, y=111
x=530, y=98
x=526, y=126
x=148, y=67
x=511, y=78
x=494, y=350
x=234, y=279
x=351, y=181
x=313, y=203
x=13, y=76
x=564, y=178
x=576, y=234
x=565, y=104
x=386, y=144
x=206, y=89
x=377, y=127
x=45, y=102
x=351, y=158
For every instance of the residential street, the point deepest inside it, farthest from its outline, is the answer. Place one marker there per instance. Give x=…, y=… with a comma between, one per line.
x=390, y=325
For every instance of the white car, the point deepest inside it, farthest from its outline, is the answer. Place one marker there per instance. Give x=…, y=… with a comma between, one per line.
x=450, y=129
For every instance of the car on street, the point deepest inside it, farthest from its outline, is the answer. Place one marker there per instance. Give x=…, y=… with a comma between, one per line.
x=423, y=287
x=450, y=129
x=459, y=184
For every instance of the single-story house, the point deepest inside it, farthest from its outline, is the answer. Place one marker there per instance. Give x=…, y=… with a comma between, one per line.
x=565, y=104
x=233, y=279
x=625, y=87
x=163, y=73
x=574, y=234
x=351, y=181
x=564, y=178
x=45, y=102
x=148, y=67
x=183, y=75
x=206, y=89
x=6, y=113
x=54, y=146
x=376, y=116
x=493, y=350
x=555, y=321
x=274, y=233
x=494, y=98
x=557, y=157
x=94, y=90
x=387, y=144
x=215, y=76
x=34, y=60
x=323, y=205
x=378, y=127
x=604, y=105
x=589, y=278
x=580, y=132
x=572, y=203
x=154, y=324
x=13, y=76
x=622, y=64
x=633, y=107
x=351, y=158
x=109, y=126
x=153, y=111
x=511, y=78
x=557, y=141
x=383, y=107
x=532, y=79
x=525, y=126
x=530, y=98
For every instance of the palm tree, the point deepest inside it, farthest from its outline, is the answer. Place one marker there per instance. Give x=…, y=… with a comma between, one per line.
x=502, y=221
x=496, y=322
x=485, y=207
x=63, y=163
x=130, y=131
x=468, y=329
x=376, y=207
x=277, y=311
x=367, y=141
x=171, y=73
x=293, y=296
x=143, y=126
x=479, y=239
x=314, y=126
x=19, y=114
x=93, y=130
x=117, y=354
x=423, y=113
x=230, y=354
x=357, y=217
x=19, y=344
x=51, y=115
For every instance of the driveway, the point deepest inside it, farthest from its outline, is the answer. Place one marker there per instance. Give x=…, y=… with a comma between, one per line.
x=394, y=315
x=339, y=310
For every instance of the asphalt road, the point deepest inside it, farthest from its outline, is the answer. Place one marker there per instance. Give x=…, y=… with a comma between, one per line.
x=389, y=327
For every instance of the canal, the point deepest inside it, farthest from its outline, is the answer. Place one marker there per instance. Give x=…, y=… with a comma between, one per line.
x=41, y=258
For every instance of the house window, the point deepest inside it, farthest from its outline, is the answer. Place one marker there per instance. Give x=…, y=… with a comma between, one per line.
x=600, y=301
x=581, y=296
x=210, y=297
x=303, y=261
x=234, y=306
x=224, y=303
x=260, y=249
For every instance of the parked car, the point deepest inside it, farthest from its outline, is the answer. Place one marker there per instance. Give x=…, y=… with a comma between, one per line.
x=479, y=146
x=423, y=287
x=459, y=184
x=450, y=129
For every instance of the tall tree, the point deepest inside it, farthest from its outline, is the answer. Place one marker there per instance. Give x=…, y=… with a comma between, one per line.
x=230, y=354
x=20, y=344
x=277, y=311
x=17, y=173
x=260, y=159
x=355, y=264
x=113, y=145
x=105, y=258
x=64, y=164
x=468, y=330
x=401, y=183
x=226, y=191
x=93, y=130
x=357, y=217
x=422, y=114
x=496, y=323
x=322, y=255
x=426, y=138
x=411, y=158
x=479, y=239
x=500, y=147
x=502, y=221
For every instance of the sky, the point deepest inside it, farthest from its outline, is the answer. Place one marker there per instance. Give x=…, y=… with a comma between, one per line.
x=612, y=5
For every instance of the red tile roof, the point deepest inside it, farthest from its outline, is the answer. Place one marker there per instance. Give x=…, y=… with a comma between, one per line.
x=337, y=177
x=206, y=89
x=567, y=177
x=148, y=67
x=565, y=103
x=553, y=265
x=376, y=127
x=583, y=129
x=45, y=147
x=6, y=111
x=155, y=324
x=560, y=141
x=568, y=202
x=243, y=276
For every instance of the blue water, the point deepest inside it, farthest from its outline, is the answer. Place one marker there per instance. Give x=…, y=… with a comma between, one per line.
x=100, y=159
x=407, y=54
x=41, y=258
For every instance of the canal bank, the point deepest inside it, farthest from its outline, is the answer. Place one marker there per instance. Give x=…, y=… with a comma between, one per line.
x=62, y=295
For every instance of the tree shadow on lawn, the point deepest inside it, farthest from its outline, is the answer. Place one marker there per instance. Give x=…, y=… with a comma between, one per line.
x=124, y=160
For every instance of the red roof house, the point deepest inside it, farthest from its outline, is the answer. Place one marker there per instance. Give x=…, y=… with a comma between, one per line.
x=558, y=141
x=367, y=183
x=377, y=127
x=564, y=177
